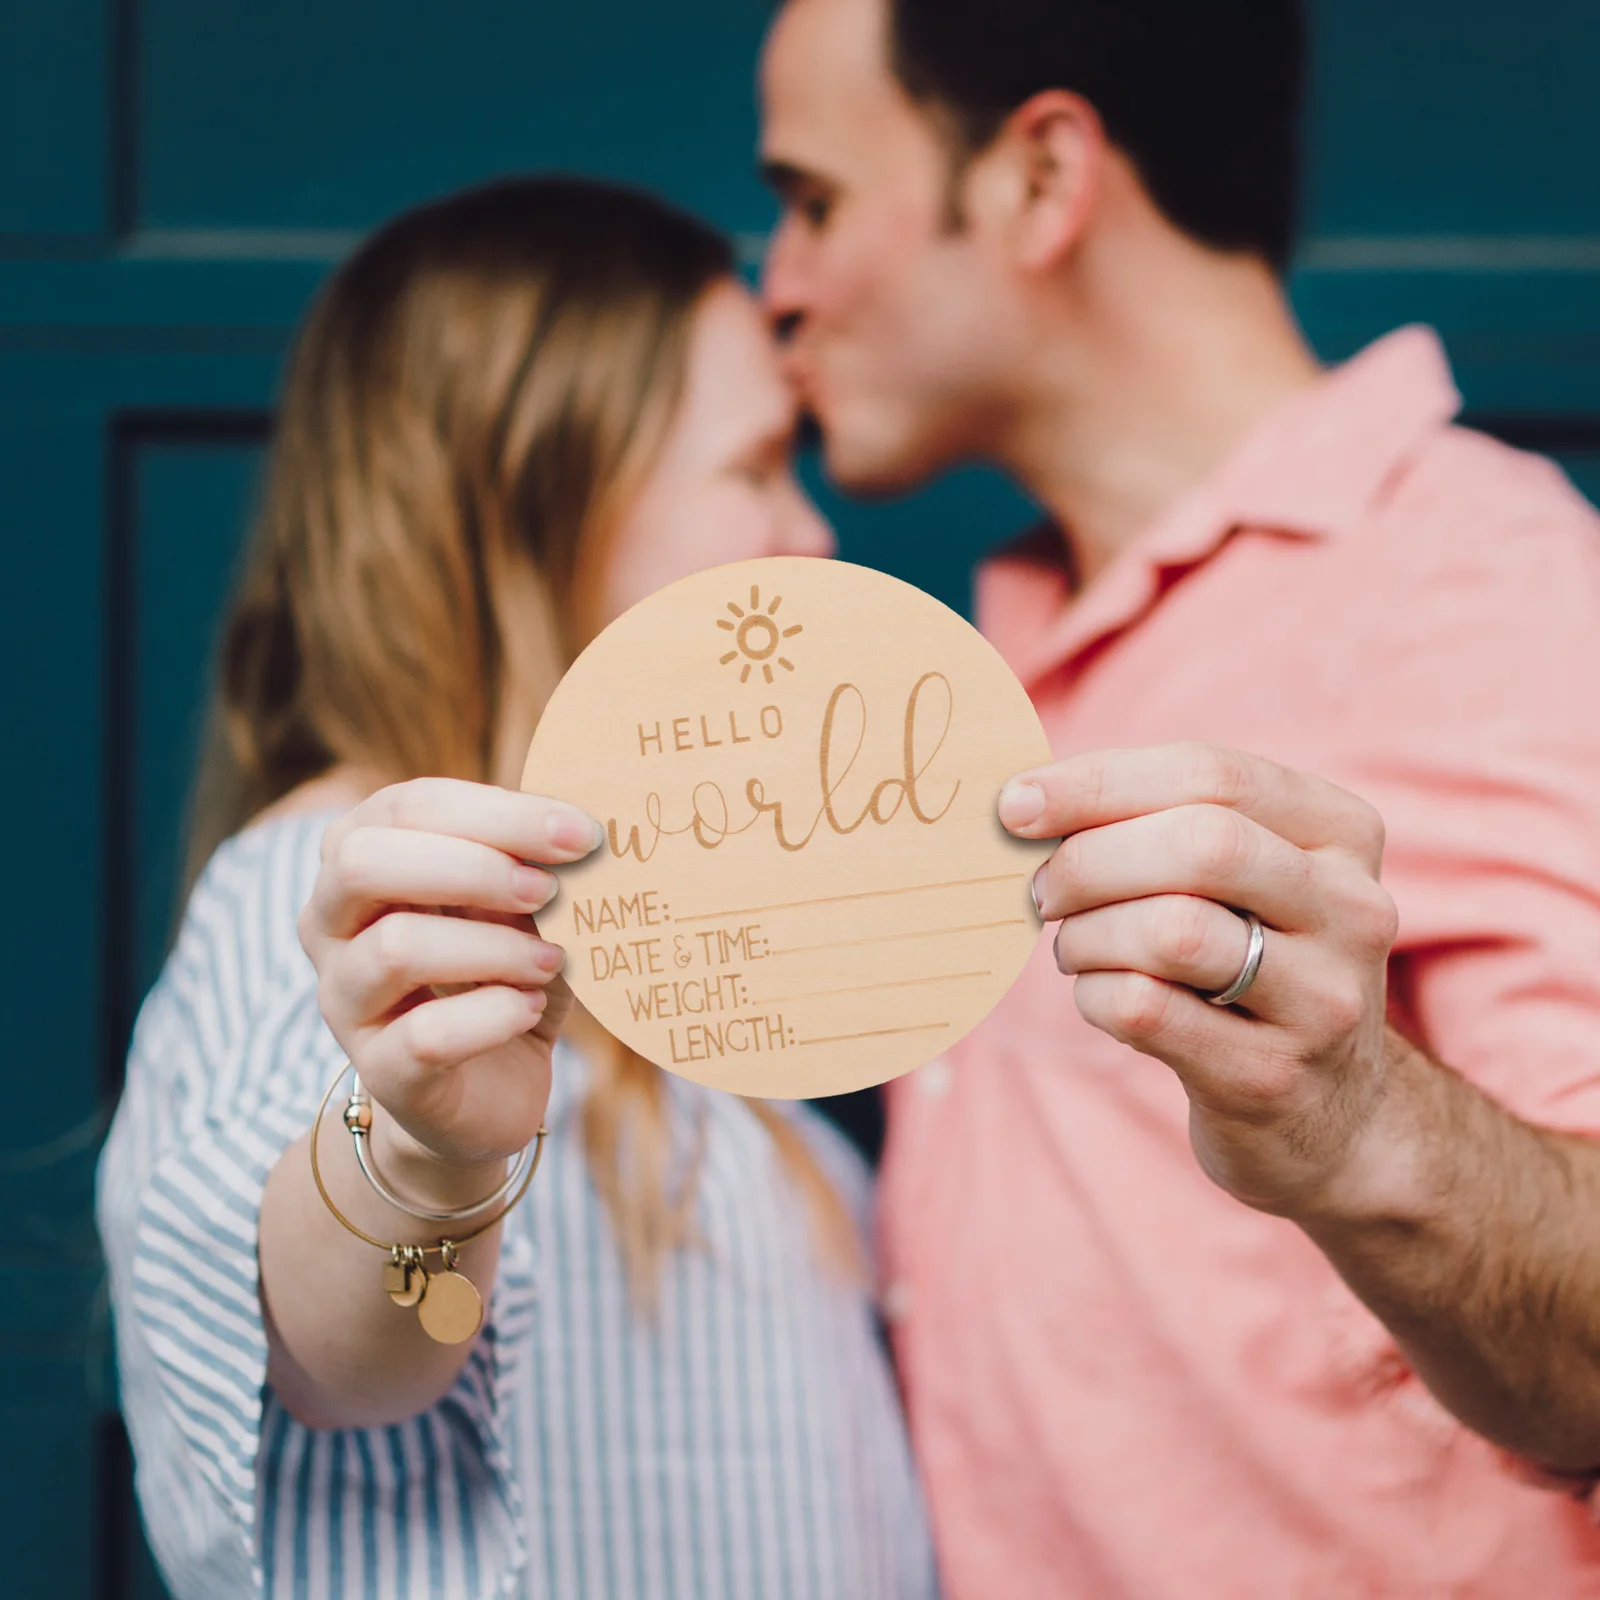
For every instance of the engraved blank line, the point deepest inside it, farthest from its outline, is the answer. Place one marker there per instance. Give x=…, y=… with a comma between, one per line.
x=892, y=938
x=869, y=988
x=861, y=894
x=876, y=1033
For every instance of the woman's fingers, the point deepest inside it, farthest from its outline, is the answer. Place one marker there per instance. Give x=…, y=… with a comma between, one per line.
x=410, y=950
x=527, y=827
x=405, y=1061
x=1180, y=939
x=376, y=868
x=441, y=842
x=413, y=993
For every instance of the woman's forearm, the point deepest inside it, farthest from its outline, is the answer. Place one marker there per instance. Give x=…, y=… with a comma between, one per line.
x=341, y=1354
x=451, y=1018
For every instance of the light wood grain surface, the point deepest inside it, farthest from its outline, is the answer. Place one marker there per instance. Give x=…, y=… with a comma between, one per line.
x=803, y=888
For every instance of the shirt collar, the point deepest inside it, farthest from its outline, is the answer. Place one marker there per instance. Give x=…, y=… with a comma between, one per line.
x=1313, y=468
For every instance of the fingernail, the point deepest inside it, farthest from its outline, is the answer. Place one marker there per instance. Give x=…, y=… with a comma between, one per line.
x=535, y=889
x=1036, y=889
x=552, y=958
x=573, y=832
x=1021, y=803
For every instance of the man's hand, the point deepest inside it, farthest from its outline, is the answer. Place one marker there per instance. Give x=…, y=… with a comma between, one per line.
x=1161, y=849
x=1470, y=1233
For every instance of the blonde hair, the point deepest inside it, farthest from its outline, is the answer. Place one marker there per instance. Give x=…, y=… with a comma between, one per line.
x=471, y=398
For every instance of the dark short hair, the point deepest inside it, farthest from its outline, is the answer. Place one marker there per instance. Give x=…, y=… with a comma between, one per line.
x=1204, y=96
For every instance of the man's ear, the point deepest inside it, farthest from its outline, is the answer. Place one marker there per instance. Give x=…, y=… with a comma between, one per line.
x=1052, y=148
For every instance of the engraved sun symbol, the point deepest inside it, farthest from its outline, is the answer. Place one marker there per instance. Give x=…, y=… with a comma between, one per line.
x=756, y=637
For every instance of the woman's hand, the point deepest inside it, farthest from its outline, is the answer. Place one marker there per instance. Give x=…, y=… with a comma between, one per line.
x=431, y=973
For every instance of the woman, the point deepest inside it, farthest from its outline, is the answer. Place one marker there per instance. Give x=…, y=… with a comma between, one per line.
x=509, y=416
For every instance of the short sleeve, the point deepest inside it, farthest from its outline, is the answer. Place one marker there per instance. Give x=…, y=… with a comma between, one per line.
x=1477, y=735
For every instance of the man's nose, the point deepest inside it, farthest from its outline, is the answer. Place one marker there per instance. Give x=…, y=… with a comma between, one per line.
x=780, y=286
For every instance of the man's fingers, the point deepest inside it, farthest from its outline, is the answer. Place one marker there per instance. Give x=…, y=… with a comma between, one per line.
x=1107, y=786
x=529, y=827
x=1206, y=851
x=1217, y=1054
x=1182, y=939
x=377, y=868
x=406, y=951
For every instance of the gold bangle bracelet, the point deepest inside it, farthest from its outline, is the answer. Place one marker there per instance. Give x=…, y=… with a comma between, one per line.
x=447, y=1303
x=358, y=1119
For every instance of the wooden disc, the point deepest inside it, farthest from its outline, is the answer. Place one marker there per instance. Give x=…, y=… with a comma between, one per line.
x=452, y=1309
x=803, y=888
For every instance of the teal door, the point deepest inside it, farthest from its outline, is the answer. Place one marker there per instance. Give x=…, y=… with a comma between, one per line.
x=176, y=177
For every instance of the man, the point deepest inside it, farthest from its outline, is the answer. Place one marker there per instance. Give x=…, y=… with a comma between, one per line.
x=1049, y=234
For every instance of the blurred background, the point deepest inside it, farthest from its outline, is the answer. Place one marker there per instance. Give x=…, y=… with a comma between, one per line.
x=175, y=178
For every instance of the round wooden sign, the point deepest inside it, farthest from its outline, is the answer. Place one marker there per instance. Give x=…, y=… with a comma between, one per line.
x=803, y=888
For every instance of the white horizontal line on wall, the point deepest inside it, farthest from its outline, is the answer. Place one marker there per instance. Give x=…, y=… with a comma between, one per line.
x=1443, y=252
x=1351, y=253
x=239, y=244
x=299, y=244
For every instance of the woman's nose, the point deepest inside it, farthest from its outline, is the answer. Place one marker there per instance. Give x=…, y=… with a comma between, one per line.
x=806, y=532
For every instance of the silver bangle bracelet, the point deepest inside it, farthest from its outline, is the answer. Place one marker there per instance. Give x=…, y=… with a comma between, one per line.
x=358, y=1119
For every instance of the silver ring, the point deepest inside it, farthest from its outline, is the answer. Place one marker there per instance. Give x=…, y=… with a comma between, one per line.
x=1252, y=965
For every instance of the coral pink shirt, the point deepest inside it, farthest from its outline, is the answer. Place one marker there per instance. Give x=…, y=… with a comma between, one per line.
x=1123, y=1383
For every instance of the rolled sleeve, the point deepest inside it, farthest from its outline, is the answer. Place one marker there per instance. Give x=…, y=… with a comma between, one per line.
x=239, y=1498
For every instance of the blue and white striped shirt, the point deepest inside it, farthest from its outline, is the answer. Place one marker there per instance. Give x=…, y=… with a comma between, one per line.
x=742, y=1441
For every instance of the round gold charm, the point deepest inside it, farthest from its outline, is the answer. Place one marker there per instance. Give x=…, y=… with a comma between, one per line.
x=451, y=1310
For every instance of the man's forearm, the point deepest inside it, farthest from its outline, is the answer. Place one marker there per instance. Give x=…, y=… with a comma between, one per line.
x=1475, y=1238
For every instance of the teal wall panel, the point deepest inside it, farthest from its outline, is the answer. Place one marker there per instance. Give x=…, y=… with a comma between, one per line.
x=1444, y=118
x=186, y=486
x=178, y=175
x=57, y=104
x=50, y=1470
x=305, y=115
x=52, y=806
x=1583, y=467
